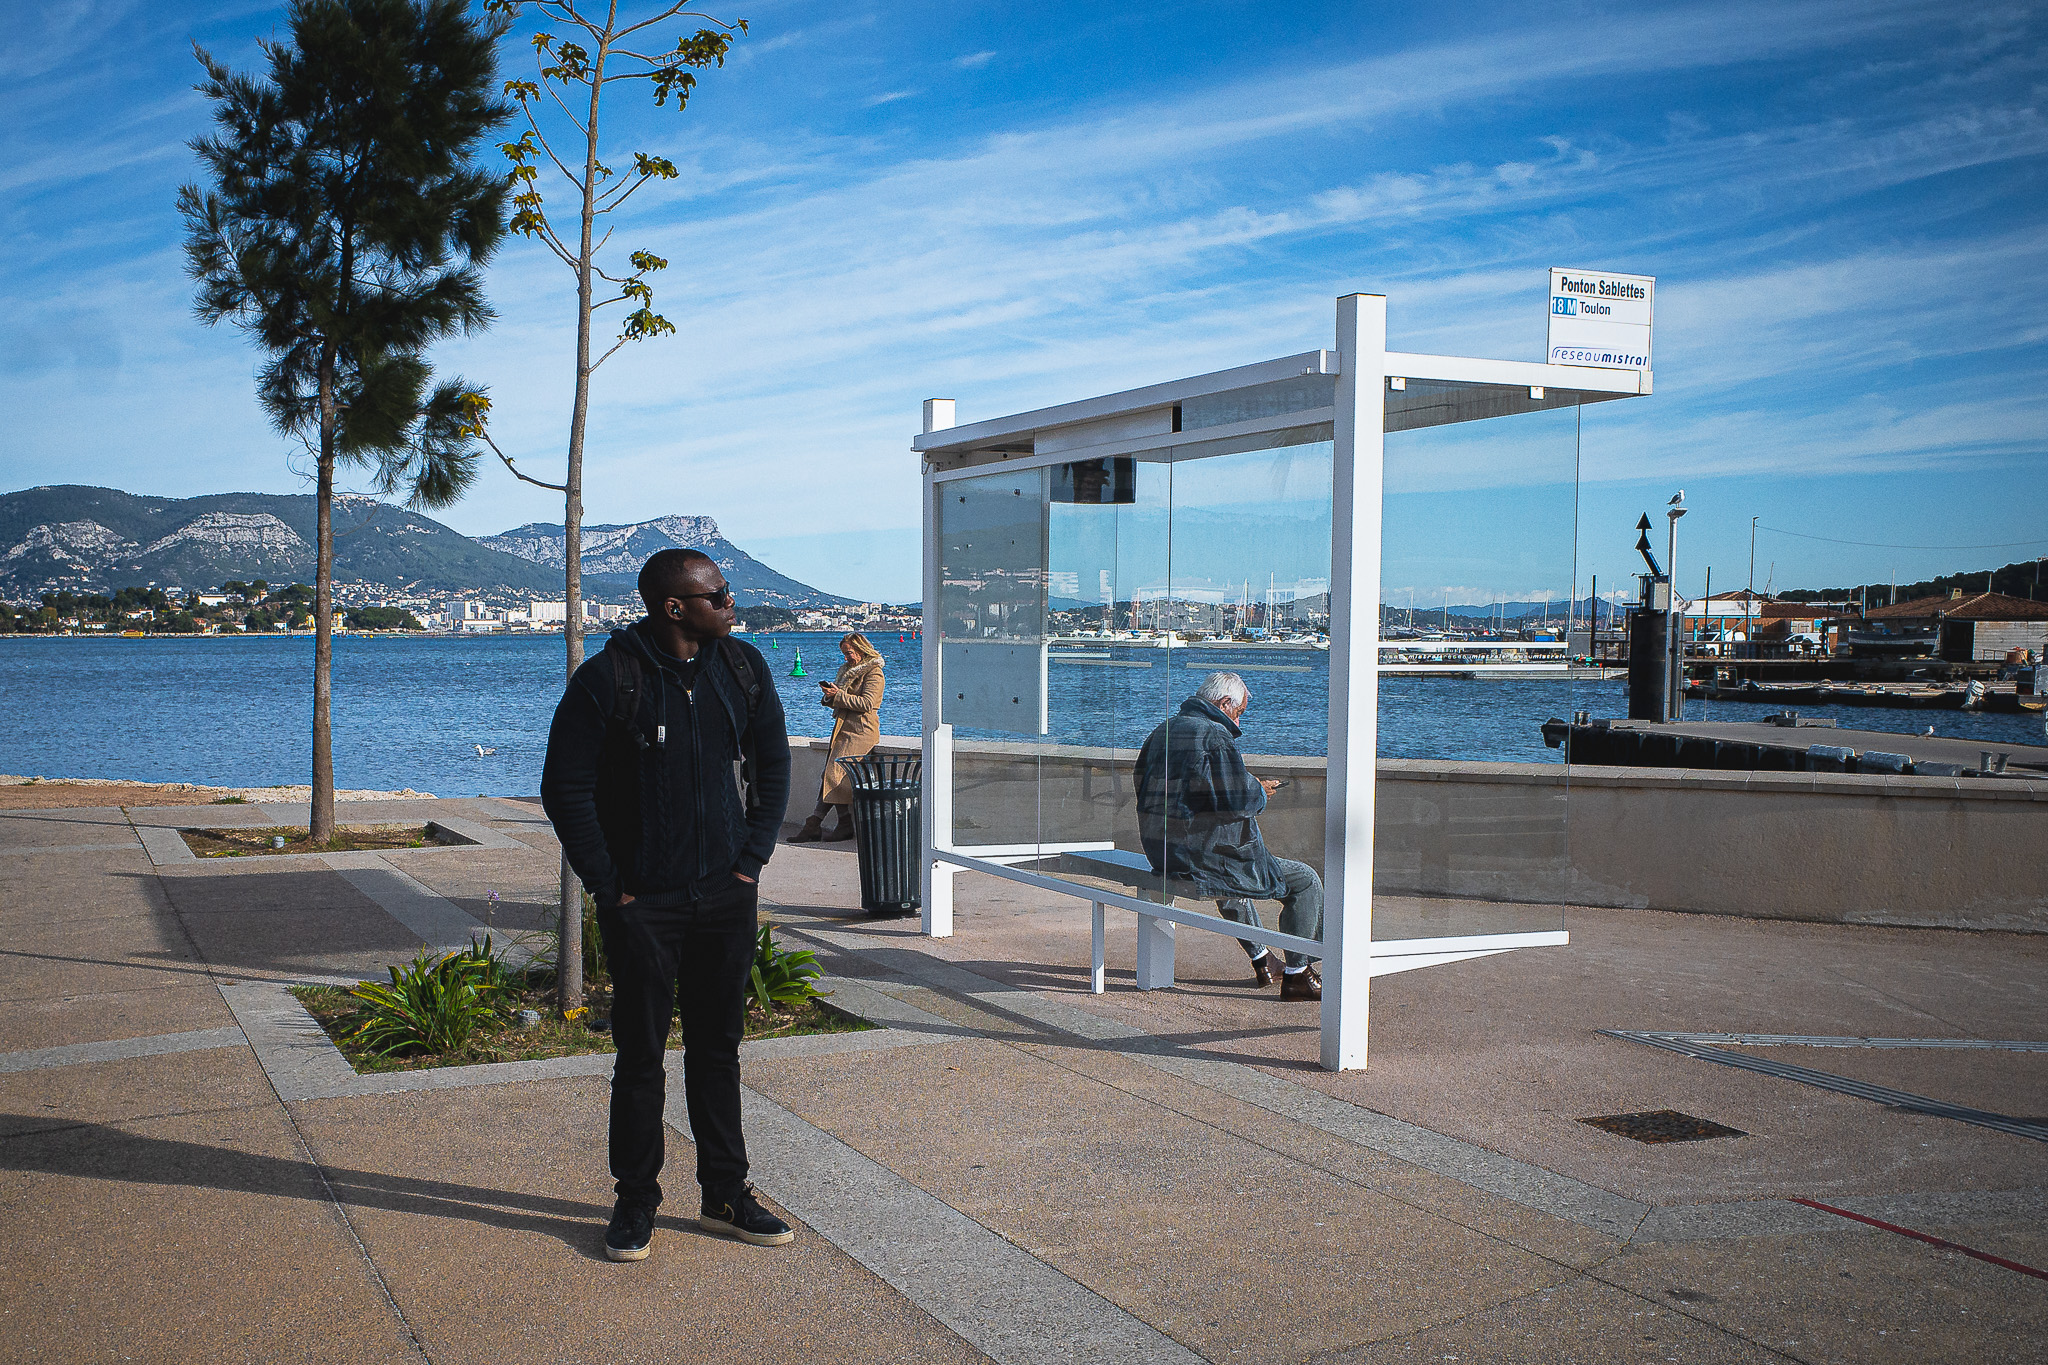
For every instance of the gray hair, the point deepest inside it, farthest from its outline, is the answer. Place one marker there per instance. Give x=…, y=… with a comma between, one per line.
x=1218, y=688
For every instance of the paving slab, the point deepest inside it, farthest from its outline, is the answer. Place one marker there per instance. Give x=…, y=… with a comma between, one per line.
x=126, y=1089
x=57, y=828
x=1583, y=1322
x=106, y=888
x=1152, y=1209
x=528, y=887
x=486, y=1212
x=286, y=924
x=84, y=964
x=1846, y=1296
x=187, y=1003
x=194, y=1237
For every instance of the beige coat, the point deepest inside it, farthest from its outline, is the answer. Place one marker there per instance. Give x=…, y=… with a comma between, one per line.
x=856, y=725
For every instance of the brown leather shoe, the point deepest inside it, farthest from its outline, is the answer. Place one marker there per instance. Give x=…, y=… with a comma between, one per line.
x=842, y=828
x=1263, y=971
x=811, y=833
x=1302, y=985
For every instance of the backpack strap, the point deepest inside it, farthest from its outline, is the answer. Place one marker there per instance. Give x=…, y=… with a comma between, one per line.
x=626, y=678
x=750, y=683
x=743, y=673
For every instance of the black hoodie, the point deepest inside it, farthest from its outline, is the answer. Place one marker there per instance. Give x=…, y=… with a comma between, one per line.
x=660, y=816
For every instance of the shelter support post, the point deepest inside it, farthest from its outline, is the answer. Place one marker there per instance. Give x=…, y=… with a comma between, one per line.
x=1357, y=457
x=936, y=919
x=935, y=879
x=1096, y=983
x=1155, y=953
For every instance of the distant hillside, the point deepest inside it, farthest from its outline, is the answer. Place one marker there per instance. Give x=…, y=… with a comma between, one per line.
x=2023, y=579
x=101, y=540
x=612, y=556
x=1429, y=612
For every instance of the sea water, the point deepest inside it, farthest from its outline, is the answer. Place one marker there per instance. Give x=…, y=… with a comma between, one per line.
x=413, y=711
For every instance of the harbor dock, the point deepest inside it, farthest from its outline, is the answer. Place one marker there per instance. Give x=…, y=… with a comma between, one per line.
x=1797, y=746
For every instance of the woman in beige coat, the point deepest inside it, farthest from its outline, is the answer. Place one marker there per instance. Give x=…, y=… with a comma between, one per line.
x=855, y=698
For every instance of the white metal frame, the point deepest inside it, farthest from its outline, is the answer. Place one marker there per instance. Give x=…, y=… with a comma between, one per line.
x=1366, y=372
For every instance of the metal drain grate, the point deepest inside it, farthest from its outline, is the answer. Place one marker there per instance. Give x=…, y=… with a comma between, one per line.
x=1662, y=1125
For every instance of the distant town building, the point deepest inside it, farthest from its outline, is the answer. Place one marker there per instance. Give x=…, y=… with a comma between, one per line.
x=1984, y=627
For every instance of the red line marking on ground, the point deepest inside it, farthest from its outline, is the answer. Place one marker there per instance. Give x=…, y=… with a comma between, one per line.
x=1931, y=1241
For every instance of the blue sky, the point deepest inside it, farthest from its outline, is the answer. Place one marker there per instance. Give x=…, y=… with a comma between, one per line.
x=1015, y=205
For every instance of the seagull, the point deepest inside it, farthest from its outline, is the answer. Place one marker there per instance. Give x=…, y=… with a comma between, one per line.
x=482, y=752
x=1930, y=730
x=1680, y=497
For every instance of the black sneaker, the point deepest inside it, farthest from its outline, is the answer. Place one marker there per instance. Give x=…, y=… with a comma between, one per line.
x=743, y=1217
x=632, y=1228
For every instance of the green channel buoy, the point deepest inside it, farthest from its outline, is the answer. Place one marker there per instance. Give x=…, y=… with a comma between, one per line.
x=798, y=670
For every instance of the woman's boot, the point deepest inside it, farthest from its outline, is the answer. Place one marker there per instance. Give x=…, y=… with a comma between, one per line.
x=814, y=828
x=842, y=828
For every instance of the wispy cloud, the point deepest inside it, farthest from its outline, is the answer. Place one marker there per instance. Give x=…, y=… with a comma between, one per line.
x=974, y=61
x=889, y=97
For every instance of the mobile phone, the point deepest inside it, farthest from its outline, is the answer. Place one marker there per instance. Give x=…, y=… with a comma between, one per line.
x=1278, y=783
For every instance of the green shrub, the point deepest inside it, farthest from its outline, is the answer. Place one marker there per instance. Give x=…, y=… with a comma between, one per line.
x=492, y=972
x=435, y=1005
x=782, y=977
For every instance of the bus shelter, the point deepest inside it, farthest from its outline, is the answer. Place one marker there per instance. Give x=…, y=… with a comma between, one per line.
x=1086, y=566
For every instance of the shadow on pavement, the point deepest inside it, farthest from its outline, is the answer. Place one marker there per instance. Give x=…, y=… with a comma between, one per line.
x=282, y=923
x=53, y=1146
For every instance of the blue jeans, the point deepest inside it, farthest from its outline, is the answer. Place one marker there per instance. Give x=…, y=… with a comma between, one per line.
x=1301, y=910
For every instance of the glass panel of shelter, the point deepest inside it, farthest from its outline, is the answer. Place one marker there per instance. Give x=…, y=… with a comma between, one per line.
x=1109, y=672
x=1160, y=569
x=992, y=647
x=1478, y=576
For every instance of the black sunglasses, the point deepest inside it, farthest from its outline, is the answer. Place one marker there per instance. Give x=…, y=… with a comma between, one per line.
x=720, y=598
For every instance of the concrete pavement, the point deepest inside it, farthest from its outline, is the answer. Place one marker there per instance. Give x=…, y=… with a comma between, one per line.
x=1013, y=1169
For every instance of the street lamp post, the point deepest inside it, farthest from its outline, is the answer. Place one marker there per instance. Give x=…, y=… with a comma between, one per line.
x=1749, y=599
x=1676, y=710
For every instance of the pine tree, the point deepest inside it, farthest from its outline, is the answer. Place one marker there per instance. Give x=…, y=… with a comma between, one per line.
x=344, y=231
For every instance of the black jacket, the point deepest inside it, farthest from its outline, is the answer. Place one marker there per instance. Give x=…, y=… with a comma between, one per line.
x=1198, y=807
x=664, y=818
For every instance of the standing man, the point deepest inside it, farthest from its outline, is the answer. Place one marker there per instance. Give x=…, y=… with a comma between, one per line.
x=641, y=783
x=1198, y=808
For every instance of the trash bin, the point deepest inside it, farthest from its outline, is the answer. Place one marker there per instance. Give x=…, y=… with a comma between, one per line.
x=888, y=830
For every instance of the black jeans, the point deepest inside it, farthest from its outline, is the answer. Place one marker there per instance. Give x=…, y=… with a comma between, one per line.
x=699, y=954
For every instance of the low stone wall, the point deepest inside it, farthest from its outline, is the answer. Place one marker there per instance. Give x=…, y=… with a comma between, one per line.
x=1960, y=853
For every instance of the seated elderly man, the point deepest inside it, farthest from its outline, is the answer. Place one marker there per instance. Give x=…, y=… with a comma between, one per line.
x=1198, y=808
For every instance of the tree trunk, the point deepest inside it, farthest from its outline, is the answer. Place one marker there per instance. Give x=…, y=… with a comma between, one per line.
x=320, y=828
x=569, y=963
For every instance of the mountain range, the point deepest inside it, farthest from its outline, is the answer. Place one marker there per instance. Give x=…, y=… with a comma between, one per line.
x=612, y=556
x=88, y=539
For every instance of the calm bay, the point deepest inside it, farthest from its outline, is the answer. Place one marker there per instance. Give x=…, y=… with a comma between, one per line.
x=412, y=711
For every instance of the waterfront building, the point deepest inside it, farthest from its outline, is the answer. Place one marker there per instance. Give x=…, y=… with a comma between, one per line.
x=1983, y=627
